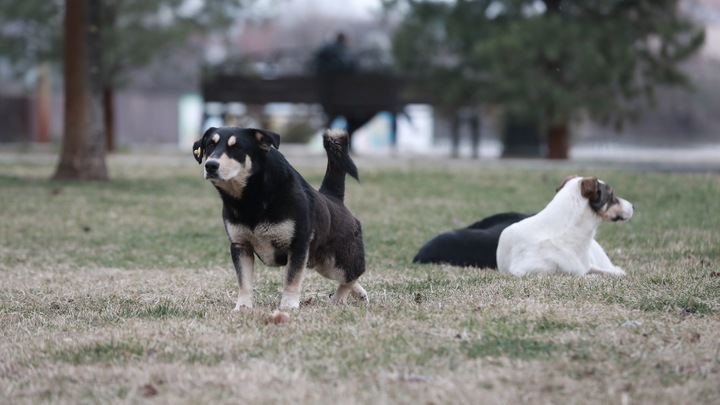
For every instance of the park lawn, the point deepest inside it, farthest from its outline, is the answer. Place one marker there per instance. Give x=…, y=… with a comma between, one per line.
x=123, y=291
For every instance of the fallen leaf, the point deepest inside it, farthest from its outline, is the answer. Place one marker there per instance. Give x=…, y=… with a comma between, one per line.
x=149, y=391
x=277, y=317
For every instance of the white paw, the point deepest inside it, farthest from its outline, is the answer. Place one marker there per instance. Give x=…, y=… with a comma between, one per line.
x=243, y=303
x=242, y=308
x=360, y=296
x=289, y=302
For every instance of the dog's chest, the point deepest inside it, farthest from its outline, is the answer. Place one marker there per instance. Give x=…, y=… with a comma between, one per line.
x=268, y=240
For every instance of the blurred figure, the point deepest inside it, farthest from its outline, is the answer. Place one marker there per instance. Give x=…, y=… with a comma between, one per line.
x=334, y=58
x=471, y=117
x=330, y=63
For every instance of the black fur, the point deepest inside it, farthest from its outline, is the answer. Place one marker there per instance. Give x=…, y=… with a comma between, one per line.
x=339, y=163
x=274, y=192
x=475, y=245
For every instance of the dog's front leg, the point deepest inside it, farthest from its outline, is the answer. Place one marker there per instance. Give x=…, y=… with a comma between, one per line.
x=244, y=260
x=294, y=273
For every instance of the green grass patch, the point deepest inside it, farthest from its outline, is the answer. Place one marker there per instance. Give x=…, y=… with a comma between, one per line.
x=161, y=310
x=510, y=346
x=108, y=352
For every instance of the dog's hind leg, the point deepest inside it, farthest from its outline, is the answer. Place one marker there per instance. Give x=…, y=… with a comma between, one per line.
x=359, y=293
x=244, y=262
x=341, y=293
x=354, y=288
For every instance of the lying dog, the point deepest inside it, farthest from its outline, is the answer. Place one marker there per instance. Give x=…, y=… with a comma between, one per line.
x=561, y=237
x=270, y=211
x=474, y=246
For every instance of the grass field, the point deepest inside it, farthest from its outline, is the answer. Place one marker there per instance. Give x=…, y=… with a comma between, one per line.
x=123, y=292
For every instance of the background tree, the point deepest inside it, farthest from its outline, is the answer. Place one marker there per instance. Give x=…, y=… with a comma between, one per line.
x=83, y=147
x=548, y=61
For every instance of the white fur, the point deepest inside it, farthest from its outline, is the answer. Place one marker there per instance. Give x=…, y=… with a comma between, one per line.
x=558, y=239
x=264, y=238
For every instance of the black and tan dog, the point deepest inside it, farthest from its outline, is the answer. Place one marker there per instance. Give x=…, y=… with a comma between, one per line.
x=270, y=211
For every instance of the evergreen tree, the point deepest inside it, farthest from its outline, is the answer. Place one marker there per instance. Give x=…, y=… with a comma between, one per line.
x=547, y=61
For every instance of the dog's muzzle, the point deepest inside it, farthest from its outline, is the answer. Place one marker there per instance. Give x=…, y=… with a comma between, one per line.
x=627, y=209
x=211, y=169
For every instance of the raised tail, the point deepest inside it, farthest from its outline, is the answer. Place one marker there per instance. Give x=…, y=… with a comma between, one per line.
x=336, y=143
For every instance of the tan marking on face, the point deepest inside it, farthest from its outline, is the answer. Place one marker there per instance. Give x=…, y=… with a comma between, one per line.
x=232, y=140
x=216, y=138
x=233, y=175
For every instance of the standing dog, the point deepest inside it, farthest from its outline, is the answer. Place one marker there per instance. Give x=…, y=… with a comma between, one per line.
x=561, y=237
x=270, y=211
x=475, y=245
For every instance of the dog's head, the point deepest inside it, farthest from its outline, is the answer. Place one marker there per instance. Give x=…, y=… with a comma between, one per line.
x=601, y=198
x=229, y=152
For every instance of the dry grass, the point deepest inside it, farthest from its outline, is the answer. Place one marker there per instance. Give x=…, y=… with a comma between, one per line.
x=122, y=292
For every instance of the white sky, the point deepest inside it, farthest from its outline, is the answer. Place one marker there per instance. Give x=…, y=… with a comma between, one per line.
x=344, y=8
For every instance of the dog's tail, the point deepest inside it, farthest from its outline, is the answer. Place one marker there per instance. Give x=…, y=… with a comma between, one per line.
x=337, y=144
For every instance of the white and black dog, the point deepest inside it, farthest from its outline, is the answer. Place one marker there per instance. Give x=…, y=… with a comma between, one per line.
x=269, y=210
x=561, y=237
x=473, y=246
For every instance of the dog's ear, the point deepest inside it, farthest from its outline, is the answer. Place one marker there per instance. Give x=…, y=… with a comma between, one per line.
x=267, y=138
x=589, y=188
x=199, y=146
x=568, y=178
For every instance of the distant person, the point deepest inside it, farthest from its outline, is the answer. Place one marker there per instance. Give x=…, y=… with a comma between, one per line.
x=471, y=117
x=334, y=65
x=334, y=58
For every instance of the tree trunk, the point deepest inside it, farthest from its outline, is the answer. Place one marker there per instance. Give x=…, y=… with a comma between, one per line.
x=83, y=147
x=109, y=121
x=43, y=104
x=558, y=139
